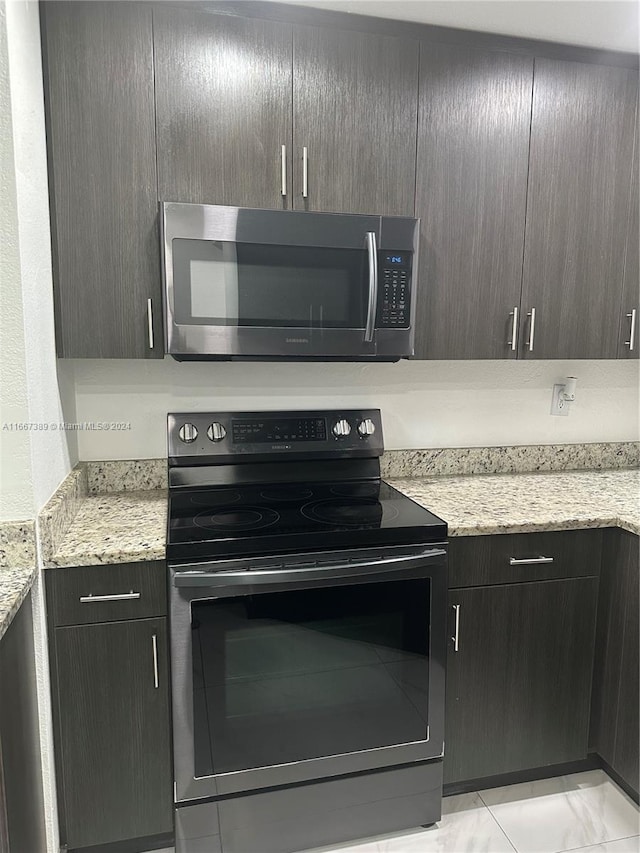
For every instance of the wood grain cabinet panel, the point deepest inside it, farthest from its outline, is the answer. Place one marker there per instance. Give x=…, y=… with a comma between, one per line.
x=628, y=347
x=223, y=99
x=582, y=133
x=102, y=181
x=518, y=687
x=114, y=731
x=615, y=714
x=473, y=144
x=355, y=106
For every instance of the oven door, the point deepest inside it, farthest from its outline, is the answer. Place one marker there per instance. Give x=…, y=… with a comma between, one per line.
x=243, y=283
x=285, y=675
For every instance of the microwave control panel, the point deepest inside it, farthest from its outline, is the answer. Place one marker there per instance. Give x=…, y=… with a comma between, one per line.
x=394, y=289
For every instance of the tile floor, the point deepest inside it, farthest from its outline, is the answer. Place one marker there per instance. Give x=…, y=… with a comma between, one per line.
x=584, y=812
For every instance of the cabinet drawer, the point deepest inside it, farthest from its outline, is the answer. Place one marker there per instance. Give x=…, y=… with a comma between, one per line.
x=522, y=557
x=78, y=596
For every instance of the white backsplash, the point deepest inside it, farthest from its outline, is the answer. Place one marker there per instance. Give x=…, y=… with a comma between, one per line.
x=424, y=404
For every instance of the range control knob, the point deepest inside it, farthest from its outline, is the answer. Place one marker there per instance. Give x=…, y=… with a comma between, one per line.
x=366, y=427
x=188, y=433
x=341, y=428
x=216, y=432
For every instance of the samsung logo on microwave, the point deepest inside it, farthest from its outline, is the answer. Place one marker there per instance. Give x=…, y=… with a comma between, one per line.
x=296, y=340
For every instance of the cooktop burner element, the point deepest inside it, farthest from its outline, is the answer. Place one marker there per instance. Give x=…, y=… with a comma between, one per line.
x=237, y=520
x=247, y=493
x=346, y=511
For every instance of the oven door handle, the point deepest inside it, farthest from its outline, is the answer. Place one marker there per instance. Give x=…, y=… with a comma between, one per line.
x=384, y=569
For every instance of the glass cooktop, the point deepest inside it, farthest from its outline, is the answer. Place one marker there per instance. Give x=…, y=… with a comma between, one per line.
x=255, y=519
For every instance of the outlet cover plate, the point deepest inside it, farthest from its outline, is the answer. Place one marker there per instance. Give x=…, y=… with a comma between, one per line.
x=559, y=405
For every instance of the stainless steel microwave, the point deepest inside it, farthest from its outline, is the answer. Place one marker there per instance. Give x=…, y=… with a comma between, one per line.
x=276, y=284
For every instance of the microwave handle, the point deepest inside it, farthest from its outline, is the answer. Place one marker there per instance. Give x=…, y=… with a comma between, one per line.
x=372, y=250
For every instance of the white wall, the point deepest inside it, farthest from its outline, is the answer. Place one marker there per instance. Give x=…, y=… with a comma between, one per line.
x=424, y=404
x=33, y=462
x=52, y=456
x=608, y=24
x=16, y=487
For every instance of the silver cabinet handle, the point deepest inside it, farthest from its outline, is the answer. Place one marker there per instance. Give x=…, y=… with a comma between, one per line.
x=513, y=343
x=532, y=328
x=283, y=171
x=456, y=634
x=150, y=322
x=123, y=596
x=372, y=251
x=632, y=332
x=154, y=643
x=529, y=561
x=305, y=172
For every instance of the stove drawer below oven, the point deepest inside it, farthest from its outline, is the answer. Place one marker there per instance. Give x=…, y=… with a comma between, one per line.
x=329, y=812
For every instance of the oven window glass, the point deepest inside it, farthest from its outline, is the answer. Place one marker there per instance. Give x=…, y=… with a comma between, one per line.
x=243, y=284
x=286, y=676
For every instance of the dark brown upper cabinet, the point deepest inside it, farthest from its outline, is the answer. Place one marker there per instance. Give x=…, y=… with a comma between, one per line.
x=354, y=121
x=223, y=99
x=102, y=179
x=473, y=146
x=582, y=135
x=629, y=338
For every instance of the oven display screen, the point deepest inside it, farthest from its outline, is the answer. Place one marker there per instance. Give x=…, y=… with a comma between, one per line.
x=268, y=431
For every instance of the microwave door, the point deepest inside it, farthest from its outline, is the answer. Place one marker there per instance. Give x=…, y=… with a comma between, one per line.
x=273, y=300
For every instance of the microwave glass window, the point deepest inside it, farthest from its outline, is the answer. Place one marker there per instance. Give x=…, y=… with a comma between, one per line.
x=243, y=284
x=214, y=288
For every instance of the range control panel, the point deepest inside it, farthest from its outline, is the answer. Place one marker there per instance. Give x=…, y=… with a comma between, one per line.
x=221, y=436
x=394, y=289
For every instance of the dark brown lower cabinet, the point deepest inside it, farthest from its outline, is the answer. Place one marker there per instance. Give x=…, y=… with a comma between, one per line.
x=615, y=717
x=22, y=815
x=114, y=730
x=519, y=682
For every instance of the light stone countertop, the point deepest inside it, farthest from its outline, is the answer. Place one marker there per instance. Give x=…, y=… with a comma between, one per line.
x=525, y=503
x=18, y=567
x=131, y=526
x=120, y=527
x=15, y=584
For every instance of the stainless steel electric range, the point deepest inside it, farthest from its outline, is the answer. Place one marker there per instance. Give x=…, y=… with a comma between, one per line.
x=307, y=605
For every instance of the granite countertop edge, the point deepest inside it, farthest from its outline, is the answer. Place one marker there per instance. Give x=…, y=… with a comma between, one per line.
x=15, y=585
x=129, y=527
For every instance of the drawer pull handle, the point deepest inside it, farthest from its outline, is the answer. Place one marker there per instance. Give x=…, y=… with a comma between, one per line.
x=154, y=643
x=529, y=561
x=456, y=635
x=123, y=596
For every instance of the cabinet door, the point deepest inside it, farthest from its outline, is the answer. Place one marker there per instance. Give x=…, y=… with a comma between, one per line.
x=626, y=757
x=615, y=706
x=473, y=148
x=518, y=687
x=629, y=347
x=102, y=161
x=114, y=731
x=355, y=107
x=582, y=130
x=223, y=100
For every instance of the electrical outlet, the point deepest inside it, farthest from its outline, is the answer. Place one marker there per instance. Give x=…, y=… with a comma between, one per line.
x=559, y=406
